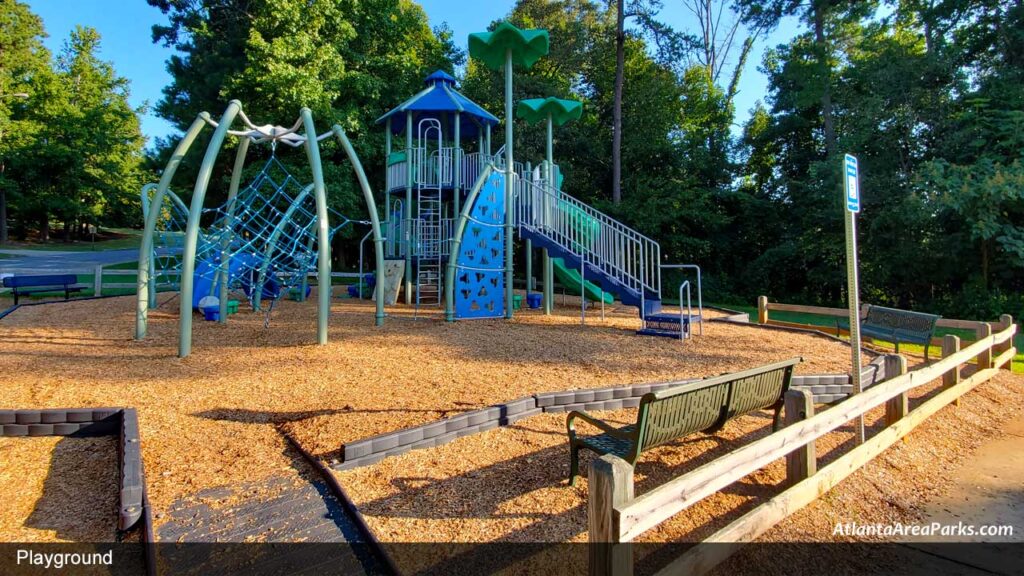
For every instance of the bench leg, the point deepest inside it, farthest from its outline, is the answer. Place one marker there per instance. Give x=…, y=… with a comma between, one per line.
x=897, y=347
x=776, y=418
x=926, y=347
x=574, y=464
x=15, y=297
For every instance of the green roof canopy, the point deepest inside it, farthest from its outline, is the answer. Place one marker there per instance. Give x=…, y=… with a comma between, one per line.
x=561, y=111
x=527, y=46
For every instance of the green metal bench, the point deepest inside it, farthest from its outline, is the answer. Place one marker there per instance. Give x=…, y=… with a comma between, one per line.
x=895, y=325
x=676, y=412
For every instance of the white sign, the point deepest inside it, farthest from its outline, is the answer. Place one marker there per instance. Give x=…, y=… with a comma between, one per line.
x=852, y=184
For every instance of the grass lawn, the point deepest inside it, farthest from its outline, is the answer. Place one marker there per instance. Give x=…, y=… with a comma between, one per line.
x=120, y=239
x=829, y=322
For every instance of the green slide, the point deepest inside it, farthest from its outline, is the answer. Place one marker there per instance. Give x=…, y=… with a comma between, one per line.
x=570, y=278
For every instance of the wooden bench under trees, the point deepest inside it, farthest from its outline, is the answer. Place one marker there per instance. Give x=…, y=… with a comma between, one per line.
x=24, y=285
x=896, y=326
x=676, y=412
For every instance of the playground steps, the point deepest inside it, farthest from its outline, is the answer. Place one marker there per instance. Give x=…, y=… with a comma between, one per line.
x=668, y=325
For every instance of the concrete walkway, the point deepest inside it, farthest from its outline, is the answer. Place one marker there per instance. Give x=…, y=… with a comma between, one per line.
x=988, y=490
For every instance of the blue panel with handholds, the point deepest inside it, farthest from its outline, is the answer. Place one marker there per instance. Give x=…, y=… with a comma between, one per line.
x=480, y=273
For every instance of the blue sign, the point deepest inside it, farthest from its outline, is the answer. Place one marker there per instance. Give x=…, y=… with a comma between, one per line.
x=852, y=184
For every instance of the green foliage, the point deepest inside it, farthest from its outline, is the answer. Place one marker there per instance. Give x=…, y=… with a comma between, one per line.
x=73, y=148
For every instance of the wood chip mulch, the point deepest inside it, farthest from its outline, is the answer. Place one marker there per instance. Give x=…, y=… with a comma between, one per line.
x=209, y=420
x=509, y=484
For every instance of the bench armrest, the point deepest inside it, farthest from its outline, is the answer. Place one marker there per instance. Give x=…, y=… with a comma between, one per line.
x=570, y=425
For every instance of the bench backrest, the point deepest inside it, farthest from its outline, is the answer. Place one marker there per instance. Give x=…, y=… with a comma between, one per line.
x=896, y=319
x=40, y=280
x=707, y=405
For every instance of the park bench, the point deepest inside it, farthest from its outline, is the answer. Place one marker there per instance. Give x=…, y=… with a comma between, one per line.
x=24, y=285
x=679, y=411
x=895, y=325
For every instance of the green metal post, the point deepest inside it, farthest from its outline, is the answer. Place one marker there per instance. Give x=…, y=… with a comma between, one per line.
x=146, y=247
x=509, y=175
x=225, y=272
x=323, y=228
x=408, y=207
x=371, y=206
x=457, y=161
x=488, y=141
x=460, y=230
x=188, y=263
x=529, y=244
x=549, y=288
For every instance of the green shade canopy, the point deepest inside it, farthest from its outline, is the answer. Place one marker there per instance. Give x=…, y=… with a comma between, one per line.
x=527, y=46
x=561, y=111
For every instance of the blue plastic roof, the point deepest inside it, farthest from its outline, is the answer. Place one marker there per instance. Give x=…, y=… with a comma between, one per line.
x=441, y=100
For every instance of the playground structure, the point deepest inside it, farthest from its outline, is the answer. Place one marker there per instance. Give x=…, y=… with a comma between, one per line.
x=264, y=239
x=451, y=206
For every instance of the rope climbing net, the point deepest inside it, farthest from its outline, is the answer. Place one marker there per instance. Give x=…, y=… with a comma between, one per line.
x=266, y=236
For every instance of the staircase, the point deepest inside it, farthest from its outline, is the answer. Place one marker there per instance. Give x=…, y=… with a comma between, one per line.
x=621, y=260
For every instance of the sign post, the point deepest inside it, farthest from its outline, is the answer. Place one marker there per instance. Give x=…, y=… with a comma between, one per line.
x=851, y=185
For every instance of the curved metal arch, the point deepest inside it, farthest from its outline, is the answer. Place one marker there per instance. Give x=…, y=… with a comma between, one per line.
x=145, y=192
x=146, y=246
x=224, y=273
x=323, y=275
x=371, y=206
x=188, y=264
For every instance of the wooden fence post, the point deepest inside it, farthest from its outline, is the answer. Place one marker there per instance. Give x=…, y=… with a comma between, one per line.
x=1005, y=321
x=762, y=309
x=985, y=358
x=610, y=484
x=802, y=462
x=897, y=407
x=97, y=282
x=950, y=346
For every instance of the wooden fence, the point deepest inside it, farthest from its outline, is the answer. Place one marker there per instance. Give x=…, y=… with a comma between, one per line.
x=102, y=275
x=764, y=307
x=616, y=517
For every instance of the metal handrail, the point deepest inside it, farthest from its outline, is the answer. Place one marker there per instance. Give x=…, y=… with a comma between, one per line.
x=614, y=248
x=700, y=300
x=685, y=329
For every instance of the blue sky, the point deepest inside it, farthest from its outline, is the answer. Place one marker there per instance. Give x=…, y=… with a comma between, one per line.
x=125, y=26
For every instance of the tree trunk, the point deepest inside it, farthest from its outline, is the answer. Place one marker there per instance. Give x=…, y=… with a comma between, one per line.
x=44, y=227
x=826, y=70
x=620, y=71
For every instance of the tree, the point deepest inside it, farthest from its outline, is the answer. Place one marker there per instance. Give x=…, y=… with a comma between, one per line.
x=645, y=11
x=22, y=59
x=82, y=162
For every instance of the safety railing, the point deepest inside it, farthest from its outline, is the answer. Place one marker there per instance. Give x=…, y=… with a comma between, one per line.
x=620, y=252
x=700, y=299
x=397, y=176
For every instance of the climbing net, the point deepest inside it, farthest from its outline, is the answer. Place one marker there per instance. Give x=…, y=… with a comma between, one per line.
x=263, y=241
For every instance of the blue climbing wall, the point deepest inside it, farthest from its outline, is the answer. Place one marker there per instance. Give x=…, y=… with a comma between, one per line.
x=480, y=273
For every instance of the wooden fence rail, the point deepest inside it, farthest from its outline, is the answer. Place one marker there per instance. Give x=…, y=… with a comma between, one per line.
x=102, y=274
x=616, y=517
